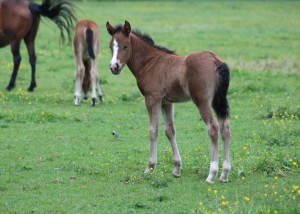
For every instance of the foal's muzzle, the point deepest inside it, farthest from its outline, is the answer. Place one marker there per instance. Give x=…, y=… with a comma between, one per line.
x=115, y=68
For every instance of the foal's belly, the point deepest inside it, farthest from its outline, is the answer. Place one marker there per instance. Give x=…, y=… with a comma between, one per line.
x=175, y=94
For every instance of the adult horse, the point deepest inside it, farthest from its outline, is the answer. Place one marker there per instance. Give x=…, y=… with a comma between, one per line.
x=165, y=78
x=19, y=19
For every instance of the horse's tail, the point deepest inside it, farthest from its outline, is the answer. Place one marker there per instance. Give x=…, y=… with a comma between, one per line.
x=89, y=37
x=220, y=102
x=61, y=12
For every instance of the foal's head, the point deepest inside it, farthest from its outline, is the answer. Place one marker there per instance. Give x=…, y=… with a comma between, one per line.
x=120, y=46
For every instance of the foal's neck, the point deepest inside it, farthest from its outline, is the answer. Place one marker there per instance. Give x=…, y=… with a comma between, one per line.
x=141, y=56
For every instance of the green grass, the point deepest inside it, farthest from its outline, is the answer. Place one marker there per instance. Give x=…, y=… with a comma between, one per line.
x=59, y=158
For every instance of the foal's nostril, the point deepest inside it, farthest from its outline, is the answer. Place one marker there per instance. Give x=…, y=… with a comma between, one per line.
x=117, y=68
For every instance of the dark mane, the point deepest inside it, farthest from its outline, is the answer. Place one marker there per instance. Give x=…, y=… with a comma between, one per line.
x=146, y=38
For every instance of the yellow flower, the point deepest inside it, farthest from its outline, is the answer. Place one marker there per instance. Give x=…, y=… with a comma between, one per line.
x=215, y=191
x=266, y=195
x=294, y=163
x=223, y=203
x=236, y=203
x=247, y=199
x=266, y=185
x=209, y=189
x=223, y=197
x=91, y=153
x=200, y=203
x=276, y=177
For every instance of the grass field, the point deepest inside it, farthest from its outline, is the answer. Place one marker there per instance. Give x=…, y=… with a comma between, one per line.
x=59, y=158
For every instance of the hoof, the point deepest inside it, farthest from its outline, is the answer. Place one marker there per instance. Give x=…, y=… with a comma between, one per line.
x=209, y=181
x=93, y=102
x=9, y=87
x=148, y=171
x=223, y=180
x=77, y=102
x=176, y=175
x=31, y=87
x=101, y=98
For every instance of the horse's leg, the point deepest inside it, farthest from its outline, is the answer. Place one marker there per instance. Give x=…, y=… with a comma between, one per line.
x=79, y=74
x=153, y=107
x=95, y=81
x=29, y=41
x=94, y=67
x=225, y=134
x=86, y=83
x=213, y=132
x=168, y=112
x=15, y=49
x=32, y=61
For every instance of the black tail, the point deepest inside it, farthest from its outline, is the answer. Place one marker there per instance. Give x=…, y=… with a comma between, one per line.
x=220, y=102
x=61, y=12
x=89, y=36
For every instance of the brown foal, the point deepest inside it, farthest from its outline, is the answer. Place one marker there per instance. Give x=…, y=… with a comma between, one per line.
x=86, y=48
x=20, y=19
x=165, y=78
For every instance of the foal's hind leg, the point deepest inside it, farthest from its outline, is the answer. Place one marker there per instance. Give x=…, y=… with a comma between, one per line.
x=213, y=132
x=225, y=133
x=95, y=81
x=168, y=112
x=79, y=74
x=15, y=49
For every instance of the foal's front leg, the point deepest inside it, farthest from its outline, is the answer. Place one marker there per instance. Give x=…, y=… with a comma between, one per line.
x=153, y=106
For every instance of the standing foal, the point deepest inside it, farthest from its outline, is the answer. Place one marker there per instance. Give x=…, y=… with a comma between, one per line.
x=86, y=48
x=165, y=78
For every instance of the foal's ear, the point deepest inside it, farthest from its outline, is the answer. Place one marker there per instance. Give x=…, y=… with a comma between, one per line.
x=127, y=28
x=109, y=28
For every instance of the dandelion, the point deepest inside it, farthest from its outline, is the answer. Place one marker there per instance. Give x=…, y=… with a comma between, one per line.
x=223, y=197
x=236, y=203
x=294, y=163
x=266, y=185
x=92, y=153
x=223, y=203
x=200, y=203
x=209, y=189
x=247, y=199
x=266, y=195
x=215, y=191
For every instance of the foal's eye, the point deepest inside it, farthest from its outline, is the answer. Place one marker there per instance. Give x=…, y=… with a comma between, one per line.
x=125, y=47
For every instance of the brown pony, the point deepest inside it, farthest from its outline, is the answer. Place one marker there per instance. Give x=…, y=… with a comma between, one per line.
x=86, y=48
x=165, y=78
x=19, y=19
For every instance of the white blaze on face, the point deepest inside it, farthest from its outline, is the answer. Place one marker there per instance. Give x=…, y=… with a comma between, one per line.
x=116, y=48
